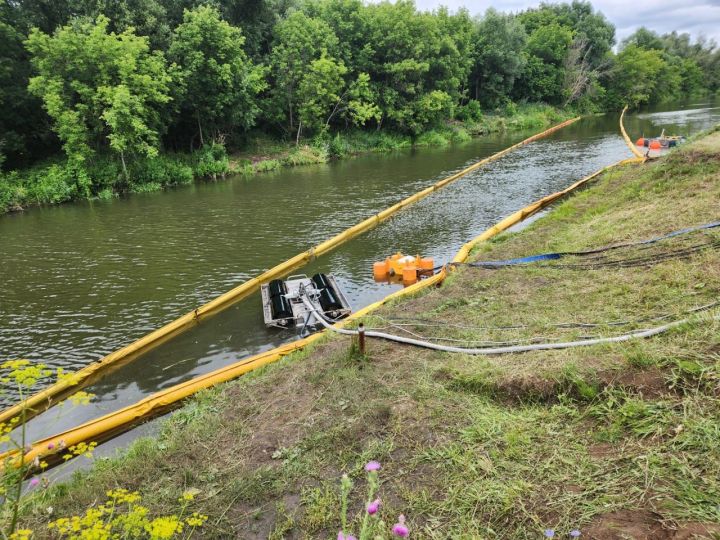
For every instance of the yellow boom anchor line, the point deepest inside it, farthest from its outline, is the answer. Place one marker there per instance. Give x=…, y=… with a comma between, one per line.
x=628, y=141
x=112, y=424
x=72, y=383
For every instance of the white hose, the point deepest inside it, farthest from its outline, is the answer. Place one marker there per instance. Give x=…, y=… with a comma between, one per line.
x=501, y=350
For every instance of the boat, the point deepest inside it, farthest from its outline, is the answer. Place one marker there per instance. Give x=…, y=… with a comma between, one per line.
x=283, y=305
x=661, y=142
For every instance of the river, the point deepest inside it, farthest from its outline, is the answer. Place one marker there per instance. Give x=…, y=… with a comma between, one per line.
x=81, y=280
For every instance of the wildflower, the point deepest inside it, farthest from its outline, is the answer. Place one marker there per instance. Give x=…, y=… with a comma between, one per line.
x=372, y=466
x=196, y=520
x=34, y=481
x=343, y=536
x=21, y=534
x=164, y=527
x=189, y=494
x=575, y=533
x=400, y=529
x=373, y=507
x=51, y=446
x=549, y=533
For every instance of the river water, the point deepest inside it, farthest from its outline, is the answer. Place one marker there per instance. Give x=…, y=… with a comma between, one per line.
x=80, y=280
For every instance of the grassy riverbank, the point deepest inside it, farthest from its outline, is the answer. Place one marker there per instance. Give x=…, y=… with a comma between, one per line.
x=617, y=440
x=57, y=181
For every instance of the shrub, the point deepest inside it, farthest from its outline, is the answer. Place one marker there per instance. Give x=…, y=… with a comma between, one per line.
x=56, y=184
x=433, y=138
x=307, y=155
x=471, y=112
x=267, y=165
x=210, y=161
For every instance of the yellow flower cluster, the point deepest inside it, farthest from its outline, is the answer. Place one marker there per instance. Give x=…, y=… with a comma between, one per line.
x=164, y=527
x=21, y=534
x=23, y=373
x=122, y=517
x=6, y=428
x=120, y=496
x=196, y=520
x=80, y=449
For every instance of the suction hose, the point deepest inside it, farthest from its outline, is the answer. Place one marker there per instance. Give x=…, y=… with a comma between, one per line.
x=501, y=350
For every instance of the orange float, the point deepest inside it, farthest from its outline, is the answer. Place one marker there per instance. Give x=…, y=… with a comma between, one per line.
x=405, y=268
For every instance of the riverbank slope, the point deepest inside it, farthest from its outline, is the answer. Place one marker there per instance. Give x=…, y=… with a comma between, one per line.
x=617, y=440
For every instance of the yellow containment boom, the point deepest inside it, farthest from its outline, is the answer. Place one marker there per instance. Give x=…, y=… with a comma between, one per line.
x=114, y=423
x=628, y=141
x=54, y=393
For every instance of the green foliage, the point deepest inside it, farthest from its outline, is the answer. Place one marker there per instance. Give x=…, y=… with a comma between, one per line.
x=100, y=88
x=210, y=161
x=320, y=90
x=635, y=76
x=499, y=42
x=299, y=41
x=216, y=84
x=470, y=112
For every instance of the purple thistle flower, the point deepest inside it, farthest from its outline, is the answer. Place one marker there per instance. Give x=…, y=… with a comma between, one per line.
x=575, y=533
x=549, y=533
x=343, y=536
x=399, y=529
x=373, y=507
x=34, y=481
x=51, y=446
x=372, y=466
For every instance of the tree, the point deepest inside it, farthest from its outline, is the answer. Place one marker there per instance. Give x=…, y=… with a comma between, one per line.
x=218, y=85
x=320, y=88
x=100, y=88
x=498, y=59
x=299, y=41
x=643, y=39
x=634, y=76
x=544, y=74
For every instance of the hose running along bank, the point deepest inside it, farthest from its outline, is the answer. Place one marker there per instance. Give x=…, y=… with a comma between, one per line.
x=649, y=332
x=101, y=429
x=54, y=393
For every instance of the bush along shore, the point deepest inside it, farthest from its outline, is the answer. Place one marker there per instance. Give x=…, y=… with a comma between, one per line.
x=58, y=181
x=610, y=441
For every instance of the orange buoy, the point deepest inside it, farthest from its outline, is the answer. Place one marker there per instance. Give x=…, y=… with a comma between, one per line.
x=381, y=270
x=409, y=275
x=640, y=142
x=426, y=263
x=655, y=145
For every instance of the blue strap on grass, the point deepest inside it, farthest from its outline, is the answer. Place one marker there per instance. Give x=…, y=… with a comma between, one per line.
x=560, y=254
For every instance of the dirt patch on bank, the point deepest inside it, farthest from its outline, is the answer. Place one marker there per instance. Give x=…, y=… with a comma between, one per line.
x=644, y=525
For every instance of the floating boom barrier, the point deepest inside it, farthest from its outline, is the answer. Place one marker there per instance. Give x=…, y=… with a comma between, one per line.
x=628, y=141
x=115, y=423
x=53, y=394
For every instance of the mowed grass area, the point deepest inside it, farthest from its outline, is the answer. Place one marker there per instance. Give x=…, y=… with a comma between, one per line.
x=617, y=440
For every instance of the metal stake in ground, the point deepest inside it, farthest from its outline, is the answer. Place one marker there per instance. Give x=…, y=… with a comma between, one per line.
x=361, y=338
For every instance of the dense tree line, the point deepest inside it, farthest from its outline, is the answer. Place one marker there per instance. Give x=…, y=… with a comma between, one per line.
x=131, y=78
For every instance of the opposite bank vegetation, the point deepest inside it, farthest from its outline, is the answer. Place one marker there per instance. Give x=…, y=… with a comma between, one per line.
x=56, y=181
x=106, y=98
x=618, y=440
